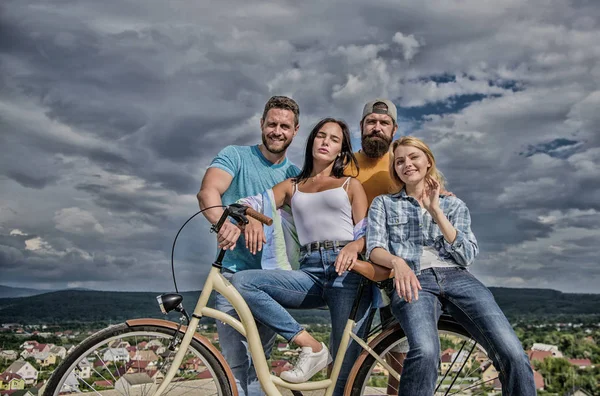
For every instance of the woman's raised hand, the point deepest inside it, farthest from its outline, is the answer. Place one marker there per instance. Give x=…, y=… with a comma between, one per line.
x=347, y=258
x=255, y=235
x=431, y=195
x=405, y=280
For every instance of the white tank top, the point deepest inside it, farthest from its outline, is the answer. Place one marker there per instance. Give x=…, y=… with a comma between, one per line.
x=323, y=216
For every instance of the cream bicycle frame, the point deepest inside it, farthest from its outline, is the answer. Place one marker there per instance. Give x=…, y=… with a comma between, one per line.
x=247, y=327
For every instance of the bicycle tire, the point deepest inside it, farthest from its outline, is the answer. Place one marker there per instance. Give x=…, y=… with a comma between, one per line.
x=191, y=375
x=368, y=376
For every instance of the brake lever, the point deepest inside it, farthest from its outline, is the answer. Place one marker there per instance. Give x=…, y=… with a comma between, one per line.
x=238, y=212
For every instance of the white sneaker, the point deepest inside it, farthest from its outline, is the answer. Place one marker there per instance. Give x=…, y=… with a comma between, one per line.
x=309, y=363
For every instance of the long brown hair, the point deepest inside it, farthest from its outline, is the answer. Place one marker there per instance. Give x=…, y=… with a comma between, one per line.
x=344, y=160
x=432, y=172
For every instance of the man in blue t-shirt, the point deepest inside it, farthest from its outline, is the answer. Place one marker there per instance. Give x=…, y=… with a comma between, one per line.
x=237, y=172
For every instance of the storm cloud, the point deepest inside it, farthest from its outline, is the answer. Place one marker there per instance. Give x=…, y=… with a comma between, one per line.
x=110, y=113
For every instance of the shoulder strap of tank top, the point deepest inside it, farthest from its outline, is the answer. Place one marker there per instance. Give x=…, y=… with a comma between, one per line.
x=346, y=184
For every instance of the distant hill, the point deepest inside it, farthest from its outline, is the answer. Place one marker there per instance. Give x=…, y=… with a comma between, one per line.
x=103, y=306
x=12, y=292
x=545, y=302
x=83, y=306
x=95, y=306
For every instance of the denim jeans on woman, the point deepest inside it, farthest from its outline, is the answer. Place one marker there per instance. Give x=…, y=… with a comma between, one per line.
x=235, y=348
x=316, y=284
x=459, y=293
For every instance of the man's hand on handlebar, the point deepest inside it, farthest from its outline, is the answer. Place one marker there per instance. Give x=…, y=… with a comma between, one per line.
x=228, y=235
x=255, y=235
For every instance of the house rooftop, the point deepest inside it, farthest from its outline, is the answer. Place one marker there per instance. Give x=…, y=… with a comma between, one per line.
x=538, y=346
x=538, y=355
x=137, y=379
x=8, y=376
x=16, y=366
x=24, y=392
x=580, y=362
x=103, y=383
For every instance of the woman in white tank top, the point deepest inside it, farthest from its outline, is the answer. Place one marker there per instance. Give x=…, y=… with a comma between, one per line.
x=326, y=206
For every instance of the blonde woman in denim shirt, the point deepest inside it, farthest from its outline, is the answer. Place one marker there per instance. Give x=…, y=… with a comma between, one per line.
x=426, y=238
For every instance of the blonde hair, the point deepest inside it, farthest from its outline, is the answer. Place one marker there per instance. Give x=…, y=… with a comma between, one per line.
x=412, y=141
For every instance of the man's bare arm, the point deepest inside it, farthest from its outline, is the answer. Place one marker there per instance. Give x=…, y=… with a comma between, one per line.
x=214, y=184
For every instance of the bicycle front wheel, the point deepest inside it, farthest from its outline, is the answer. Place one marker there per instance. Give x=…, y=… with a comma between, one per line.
x=125, y=360
x=465, y=368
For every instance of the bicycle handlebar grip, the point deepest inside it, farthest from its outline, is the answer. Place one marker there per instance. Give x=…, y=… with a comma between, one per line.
x=259, y=216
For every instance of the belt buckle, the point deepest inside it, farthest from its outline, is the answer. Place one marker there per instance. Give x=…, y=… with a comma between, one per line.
x=308, y=248
x=328, y=244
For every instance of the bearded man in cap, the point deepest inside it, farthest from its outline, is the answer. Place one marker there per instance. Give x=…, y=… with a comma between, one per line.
x=377, y=127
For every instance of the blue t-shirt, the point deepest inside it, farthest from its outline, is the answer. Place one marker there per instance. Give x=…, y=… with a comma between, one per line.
x=252, y=174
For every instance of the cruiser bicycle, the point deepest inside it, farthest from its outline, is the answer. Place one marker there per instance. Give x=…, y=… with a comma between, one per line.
x=153, y=357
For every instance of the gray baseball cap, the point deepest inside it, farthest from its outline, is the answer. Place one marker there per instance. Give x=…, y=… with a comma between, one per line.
x=391, y=109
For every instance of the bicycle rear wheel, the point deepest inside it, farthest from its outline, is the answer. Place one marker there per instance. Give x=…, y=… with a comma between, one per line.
x=125, y=360
x=465, y=367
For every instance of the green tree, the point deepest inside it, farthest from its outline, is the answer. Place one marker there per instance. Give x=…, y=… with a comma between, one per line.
x=566, y=342
x=560, y=375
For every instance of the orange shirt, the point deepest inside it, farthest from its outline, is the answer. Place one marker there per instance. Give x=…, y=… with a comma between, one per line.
x=374, y=175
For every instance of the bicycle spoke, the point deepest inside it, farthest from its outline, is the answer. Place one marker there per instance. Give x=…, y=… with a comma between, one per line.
x=139, y=374
x=177, y=385
x=91, y=387
x=463, y=365
x=462, y=374
x=103, y=377
x=190, y=389
x=474, y=385
x=105, y=366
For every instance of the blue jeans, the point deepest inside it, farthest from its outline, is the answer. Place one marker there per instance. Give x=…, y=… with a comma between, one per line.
x=459, y=293
x=314, y=285
x=235, y=348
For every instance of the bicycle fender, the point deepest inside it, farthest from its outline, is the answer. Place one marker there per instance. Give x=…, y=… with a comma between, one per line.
x=199, y=338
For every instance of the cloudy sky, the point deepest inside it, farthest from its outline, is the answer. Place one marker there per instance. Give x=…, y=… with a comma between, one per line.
x=110, y=112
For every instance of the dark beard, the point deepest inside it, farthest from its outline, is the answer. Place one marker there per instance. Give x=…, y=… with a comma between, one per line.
x=375, y=146
x=276, y=151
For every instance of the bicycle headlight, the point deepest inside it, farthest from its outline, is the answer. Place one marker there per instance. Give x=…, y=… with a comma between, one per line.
x=169, y=301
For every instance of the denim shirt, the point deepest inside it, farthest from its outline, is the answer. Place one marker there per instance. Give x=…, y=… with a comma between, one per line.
x=397, y=225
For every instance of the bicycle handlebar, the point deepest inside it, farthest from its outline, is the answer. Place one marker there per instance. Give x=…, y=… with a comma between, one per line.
x=259, y=216
x=238, y=213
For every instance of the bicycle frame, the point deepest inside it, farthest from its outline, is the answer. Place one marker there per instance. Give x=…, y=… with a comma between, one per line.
x=247, y=327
